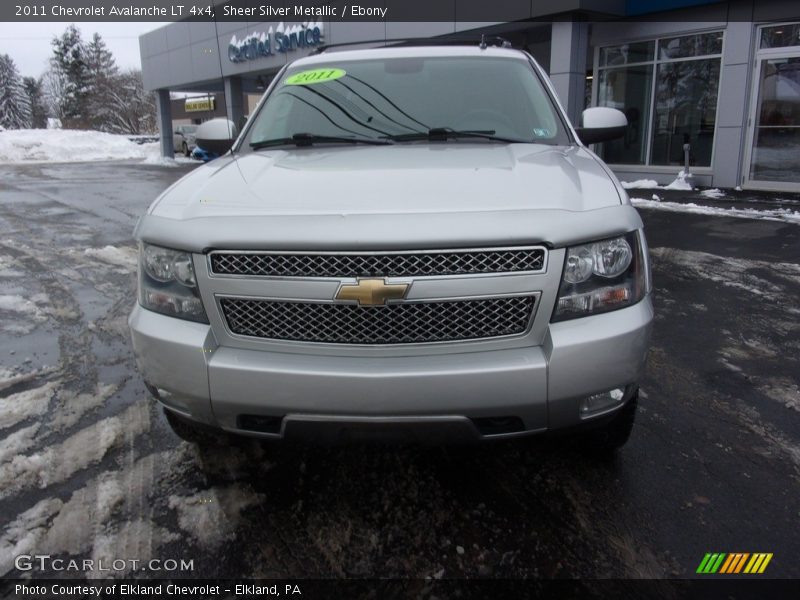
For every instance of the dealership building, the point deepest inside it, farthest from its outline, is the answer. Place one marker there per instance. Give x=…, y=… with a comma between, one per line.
x=714, y=83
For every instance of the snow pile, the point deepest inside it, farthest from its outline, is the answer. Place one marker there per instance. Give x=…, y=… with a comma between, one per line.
x=154, y=157
x=682, y=182
x=778, y=214
x=640, y=184
x=713, y=193
x=66, y=145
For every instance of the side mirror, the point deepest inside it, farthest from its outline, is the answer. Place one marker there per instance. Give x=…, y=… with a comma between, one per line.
x=216, y=136
x=602, y=124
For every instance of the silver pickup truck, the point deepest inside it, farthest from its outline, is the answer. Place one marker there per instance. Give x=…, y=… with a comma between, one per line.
x=408, y=242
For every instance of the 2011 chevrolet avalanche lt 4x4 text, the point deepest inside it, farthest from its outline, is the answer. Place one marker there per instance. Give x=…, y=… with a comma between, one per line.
x=409, y=240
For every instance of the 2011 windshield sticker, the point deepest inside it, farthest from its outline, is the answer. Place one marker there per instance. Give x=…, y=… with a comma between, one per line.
x=315, y=76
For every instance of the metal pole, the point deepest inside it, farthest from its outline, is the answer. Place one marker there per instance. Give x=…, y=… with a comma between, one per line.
x=686, y=149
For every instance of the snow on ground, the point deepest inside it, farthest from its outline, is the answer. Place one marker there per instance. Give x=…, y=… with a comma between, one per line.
x=138, y=538
x=27, y=314
x=9, y=377
x=67, y=145
x=154, y=158
x=18, y=304
x=713, y=193
x=212, y=516
x=17, y=442
x=60, y=461
x=20, y=406
x=73, y=145
x=23, y=534
x=640, y=184
x=120, y=257
x=682, y=182
x=777, y=214
x=7, y=267
x=739, y=273
x=783, y=390
x=72, y=406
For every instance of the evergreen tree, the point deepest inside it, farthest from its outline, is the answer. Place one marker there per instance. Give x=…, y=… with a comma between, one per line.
x=33, y=88
x=103, y=72
x=15, y=108
x=69, y=60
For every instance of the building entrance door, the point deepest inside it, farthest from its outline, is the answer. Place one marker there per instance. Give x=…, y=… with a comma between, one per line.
x=773, y=160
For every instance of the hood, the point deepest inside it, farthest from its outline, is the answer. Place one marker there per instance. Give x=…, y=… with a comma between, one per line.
x=401, y=179
x=404, y=196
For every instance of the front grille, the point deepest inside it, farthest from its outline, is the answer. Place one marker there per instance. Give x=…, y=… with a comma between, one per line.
x=410, y=322
x=412, y=264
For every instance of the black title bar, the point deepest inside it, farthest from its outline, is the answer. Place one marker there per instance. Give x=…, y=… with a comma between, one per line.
x=477, y=11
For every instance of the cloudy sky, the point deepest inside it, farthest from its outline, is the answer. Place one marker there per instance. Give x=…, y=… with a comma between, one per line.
x=29, y=43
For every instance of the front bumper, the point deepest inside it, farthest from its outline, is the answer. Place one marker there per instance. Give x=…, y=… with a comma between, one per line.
x=456, y=395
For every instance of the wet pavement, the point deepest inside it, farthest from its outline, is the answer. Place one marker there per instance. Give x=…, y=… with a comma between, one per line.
x=89, y=468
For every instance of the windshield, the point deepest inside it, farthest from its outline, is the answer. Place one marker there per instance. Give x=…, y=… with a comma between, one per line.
x=405, y=99
x=189, y=128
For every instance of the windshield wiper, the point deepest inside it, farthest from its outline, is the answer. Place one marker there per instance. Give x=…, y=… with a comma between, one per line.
x=309, y=139
x=442, y=134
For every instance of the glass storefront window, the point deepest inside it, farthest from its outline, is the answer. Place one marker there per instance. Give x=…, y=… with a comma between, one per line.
x=670, y=98
x=627, y=89
x=780, y=36
x=685, y=112
x=688, y=46
x=626, y=53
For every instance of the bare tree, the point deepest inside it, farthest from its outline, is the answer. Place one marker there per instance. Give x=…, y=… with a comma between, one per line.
x=134, y=109
x=53, y=89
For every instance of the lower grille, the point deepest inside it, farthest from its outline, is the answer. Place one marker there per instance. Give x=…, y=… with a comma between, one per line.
x=410, y=322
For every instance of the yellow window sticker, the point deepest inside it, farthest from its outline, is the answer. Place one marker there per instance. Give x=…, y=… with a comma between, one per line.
x=315, y=76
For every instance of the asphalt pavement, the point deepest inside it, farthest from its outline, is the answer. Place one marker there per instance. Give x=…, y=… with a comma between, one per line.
x=89, y=468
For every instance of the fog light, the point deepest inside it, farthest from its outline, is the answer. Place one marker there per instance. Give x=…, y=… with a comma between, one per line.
x=597, y=403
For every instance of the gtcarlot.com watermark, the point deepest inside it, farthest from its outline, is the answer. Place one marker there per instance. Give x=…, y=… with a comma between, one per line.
x=45, y=562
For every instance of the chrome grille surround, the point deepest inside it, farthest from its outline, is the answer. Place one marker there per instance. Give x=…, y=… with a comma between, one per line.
x=397, y=323
x=422, y=263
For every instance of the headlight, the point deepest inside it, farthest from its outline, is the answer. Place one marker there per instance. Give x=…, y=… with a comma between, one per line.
x=167, y=283
x=603, y=276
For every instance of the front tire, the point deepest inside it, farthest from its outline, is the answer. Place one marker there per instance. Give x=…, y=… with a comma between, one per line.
x=185, y=149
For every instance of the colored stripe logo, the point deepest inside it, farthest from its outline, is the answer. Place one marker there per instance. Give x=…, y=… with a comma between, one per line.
x=734, y=563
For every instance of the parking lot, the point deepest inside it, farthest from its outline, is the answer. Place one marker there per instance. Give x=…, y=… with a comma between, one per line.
x=89, y=468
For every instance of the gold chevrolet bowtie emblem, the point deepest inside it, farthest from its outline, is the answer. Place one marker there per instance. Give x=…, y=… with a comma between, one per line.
x=372, y=292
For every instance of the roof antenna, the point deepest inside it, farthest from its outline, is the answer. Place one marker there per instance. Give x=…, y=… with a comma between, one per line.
x=483, y=42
